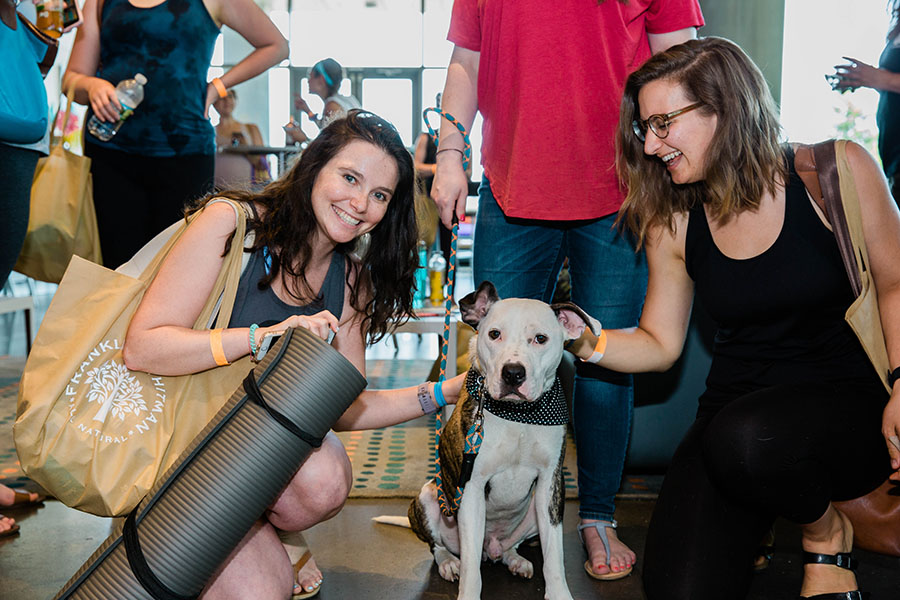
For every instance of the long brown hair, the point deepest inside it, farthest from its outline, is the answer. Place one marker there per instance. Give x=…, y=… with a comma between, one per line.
x=744, y=158
x=385, y=272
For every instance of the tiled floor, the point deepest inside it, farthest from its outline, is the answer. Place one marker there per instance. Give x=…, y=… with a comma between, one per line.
x=362, y=560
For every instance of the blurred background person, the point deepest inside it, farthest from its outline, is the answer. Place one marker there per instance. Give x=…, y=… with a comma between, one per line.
x=231, y=132
x=325, y=82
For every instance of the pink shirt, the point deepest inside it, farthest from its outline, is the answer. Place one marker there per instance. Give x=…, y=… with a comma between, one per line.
x=550, y=80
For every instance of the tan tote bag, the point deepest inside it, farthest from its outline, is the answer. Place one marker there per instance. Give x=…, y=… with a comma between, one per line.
x=61, y=222
x=93, y=433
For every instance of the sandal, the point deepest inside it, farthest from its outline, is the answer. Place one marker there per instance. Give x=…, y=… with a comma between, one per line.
x=23, y=499
x=601, y=526
x=14, y=530
x=842, y=560
x=295, y=546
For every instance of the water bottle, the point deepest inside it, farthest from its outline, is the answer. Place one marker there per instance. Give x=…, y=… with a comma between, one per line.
x=130, y=93
x=436, y=266
x=421, y=277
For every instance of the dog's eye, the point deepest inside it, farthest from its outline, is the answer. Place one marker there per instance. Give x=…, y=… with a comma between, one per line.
x=494, y=334
x=540, y=338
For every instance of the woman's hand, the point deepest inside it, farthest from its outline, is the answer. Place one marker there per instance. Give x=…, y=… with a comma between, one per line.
x=452, y=387
x=855, y=74
x=300, y=104
x=322, y=324
x=450, y=186
x=102, y=98
x=890, y=427
x=583, y=347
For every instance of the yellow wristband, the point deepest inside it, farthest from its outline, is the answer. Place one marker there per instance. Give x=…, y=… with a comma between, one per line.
x=599, y=348
x=215, y=345
x=220, y=87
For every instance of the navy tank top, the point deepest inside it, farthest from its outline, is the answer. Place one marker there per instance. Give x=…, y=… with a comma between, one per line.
x=780, y=314
x=253, y=305
x=172, y=45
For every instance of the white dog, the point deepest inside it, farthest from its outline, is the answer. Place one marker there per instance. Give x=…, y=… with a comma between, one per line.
x=516, y=485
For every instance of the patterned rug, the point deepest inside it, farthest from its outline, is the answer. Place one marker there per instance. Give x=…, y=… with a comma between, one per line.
x=392, y=462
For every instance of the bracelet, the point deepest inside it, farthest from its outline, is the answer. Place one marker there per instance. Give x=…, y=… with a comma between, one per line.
x=438, y=392
x=253, y=348
x=893, y=377
x=425, y=399
x=599, y=348
x=220, y=87
x=215, y=345
x=463, y=154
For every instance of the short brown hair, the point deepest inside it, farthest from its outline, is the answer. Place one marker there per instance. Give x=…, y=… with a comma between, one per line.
x=744, y=158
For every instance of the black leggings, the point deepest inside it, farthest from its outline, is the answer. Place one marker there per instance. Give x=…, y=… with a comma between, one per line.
x=137, y=196
x=785, y=451
x=16, y=172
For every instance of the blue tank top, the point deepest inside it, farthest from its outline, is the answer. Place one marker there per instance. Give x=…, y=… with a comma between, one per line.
x=172, y=45
x=253, y=305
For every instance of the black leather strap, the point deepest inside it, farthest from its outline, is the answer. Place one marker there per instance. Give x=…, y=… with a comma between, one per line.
x=841, y=559
x=255, y=394
x=142, y=572
x=854, y=595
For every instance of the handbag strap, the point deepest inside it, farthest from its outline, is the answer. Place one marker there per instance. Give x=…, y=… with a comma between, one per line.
x=816, y=165
x=51, y=43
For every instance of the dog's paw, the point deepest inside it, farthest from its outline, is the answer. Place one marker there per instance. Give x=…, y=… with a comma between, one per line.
x=447, y=563
x=518, y=565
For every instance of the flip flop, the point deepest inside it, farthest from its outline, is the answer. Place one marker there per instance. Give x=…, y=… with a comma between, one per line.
x=14, y=530
x=601, y=526
x=23, y=499
x=842, y=560
x=297, y=566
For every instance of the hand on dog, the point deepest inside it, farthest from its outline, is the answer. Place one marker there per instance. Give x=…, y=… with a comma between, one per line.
x=452, y=387
x=583, y=346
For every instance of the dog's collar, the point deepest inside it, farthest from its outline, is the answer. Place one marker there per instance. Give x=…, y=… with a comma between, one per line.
x=549, y=409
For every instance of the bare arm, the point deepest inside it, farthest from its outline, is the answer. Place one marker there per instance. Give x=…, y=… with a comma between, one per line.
x=881, y=229
x=460, y=99
x=656, y=343
x=246, y=18
x=79, y=76
x=423, y=169
x=664, y=41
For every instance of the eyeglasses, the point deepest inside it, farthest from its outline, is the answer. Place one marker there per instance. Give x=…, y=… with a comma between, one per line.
x=659, y=124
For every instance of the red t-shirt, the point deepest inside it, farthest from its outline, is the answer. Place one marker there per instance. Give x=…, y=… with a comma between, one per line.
x=550, y=80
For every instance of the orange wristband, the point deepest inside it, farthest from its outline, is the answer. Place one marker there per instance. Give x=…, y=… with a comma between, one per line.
x=599, y=348
x=220, y=87
x=215, y=345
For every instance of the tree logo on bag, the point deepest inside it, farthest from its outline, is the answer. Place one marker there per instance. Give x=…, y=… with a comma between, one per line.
x=114, y=387
x=109, y=402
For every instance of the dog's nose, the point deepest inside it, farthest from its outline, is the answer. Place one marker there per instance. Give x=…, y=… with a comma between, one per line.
x=513, y=374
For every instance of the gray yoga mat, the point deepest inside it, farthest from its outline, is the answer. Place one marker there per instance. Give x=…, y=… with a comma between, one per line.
x=189, y=523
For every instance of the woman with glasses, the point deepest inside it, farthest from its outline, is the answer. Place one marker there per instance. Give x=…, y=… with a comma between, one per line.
x=793, y=413
x=325, y=82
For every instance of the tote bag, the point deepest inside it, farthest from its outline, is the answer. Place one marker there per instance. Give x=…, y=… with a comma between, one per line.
x=93, y=433
x=61, y=222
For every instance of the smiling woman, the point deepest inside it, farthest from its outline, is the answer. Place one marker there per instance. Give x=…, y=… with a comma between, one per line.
x=307, y=268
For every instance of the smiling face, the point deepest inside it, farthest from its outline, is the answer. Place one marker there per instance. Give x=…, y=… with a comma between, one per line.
x=352, y=191
x=684, y=149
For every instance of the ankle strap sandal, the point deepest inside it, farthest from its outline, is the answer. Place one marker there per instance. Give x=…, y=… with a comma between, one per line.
x=842, y=560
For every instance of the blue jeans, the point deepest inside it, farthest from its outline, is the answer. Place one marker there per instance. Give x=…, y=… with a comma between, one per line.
x=522, y=258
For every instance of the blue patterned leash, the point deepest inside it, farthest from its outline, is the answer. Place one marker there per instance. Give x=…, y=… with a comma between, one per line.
x=449, y=506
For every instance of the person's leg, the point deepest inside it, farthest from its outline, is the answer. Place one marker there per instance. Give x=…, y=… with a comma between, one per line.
x=16, y=172
x=699, y=543
x=792, y=450
x=187, y=178
x=521, y=258
x=121, y=202
x=259, y=567
x=609, y=281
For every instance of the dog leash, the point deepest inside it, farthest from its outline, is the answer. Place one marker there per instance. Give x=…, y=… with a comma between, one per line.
x=474, y=437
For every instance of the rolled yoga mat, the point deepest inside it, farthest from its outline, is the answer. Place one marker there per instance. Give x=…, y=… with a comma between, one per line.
x=191, y=520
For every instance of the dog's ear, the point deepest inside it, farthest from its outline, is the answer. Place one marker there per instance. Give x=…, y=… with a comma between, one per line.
x=475, y=306
x=574, y=320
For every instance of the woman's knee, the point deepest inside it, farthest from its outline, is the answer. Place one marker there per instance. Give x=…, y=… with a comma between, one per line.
x=317, y=491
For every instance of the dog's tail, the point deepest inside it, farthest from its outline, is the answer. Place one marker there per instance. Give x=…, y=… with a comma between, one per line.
x=392, y=520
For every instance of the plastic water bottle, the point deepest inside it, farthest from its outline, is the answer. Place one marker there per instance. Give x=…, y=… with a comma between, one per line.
x=421, y=277
x=130, y=93
x=436, y=266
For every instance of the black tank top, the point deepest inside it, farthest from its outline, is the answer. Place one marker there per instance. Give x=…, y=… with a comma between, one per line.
x=253, y=305
x=780, y=314
x=888, y=115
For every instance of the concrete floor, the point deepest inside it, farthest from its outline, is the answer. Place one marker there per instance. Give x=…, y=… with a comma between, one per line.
x=362, y=560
